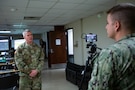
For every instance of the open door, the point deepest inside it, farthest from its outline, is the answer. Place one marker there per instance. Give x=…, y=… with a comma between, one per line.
x=57, y=47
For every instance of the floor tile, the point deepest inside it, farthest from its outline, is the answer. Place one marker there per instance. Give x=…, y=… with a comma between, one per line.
x=55, y=79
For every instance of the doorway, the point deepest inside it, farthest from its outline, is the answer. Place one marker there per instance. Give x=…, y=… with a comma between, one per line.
x=70, y=47
x=60, y=47
x=57, y=47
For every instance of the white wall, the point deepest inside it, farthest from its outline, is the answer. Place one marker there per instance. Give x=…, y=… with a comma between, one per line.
x=96, y=25
x=91, y=24
x=76, y=36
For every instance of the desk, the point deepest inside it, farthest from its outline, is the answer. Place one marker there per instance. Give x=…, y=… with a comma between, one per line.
x=8, y=71
x=8, y=63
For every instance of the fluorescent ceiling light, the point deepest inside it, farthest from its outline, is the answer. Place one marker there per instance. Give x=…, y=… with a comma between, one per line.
x=5, y=31
x=19, y=25
x=13, y=9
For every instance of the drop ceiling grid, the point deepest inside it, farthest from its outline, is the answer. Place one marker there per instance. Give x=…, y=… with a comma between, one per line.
x=52, y=12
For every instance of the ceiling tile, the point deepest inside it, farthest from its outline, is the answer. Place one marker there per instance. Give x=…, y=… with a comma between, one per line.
x=40, y=4
x=52, y=12
x=13, y=3
x=65, y=6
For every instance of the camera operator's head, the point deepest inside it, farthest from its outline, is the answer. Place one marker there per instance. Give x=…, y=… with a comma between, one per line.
x=120, y=21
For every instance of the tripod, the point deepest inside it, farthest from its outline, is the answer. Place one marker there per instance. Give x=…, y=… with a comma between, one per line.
x=92, y=54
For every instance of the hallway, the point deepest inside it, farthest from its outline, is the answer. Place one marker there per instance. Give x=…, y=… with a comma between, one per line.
x=55, y=79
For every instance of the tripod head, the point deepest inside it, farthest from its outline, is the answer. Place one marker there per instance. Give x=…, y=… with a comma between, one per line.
x=93, y=47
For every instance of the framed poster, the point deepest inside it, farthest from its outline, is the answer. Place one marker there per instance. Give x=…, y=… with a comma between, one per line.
x=58, y=42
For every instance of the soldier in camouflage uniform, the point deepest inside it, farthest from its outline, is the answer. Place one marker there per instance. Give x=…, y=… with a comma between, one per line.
x=114, y=68
x=29, y=59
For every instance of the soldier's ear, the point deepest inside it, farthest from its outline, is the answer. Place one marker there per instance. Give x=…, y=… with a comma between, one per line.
x=117, y=25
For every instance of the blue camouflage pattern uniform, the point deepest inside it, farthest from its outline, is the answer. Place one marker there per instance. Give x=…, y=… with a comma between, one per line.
x=114, y=68
x=27, y=58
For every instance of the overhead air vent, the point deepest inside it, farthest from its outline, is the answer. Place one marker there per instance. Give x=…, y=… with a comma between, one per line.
x=32, y=18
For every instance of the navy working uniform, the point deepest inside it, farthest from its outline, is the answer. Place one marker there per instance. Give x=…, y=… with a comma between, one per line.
x=114, y=68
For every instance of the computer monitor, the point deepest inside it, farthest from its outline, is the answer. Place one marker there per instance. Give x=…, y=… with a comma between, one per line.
x=4, y=45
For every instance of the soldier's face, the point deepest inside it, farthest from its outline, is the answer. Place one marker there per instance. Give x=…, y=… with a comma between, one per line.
x=110, y=27
x=28, y=37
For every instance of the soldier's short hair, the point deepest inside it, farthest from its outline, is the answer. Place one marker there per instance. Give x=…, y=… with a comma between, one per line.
x=25, y=31
x=124, y=13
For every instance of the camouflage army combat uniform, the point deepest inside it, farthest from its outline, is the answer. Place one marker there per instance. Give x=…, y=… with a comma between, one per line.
x=114, y=68
x=27, y=58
